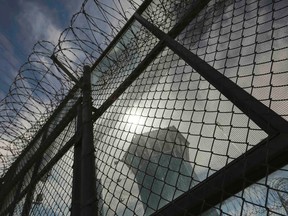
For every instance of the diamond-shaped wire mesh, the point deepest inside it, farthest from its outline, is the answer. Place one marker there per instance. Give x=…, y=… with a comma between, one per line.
x=246, y=41
x=118, y=64
x=52, y=194
x=170, y=131
x=265, y=197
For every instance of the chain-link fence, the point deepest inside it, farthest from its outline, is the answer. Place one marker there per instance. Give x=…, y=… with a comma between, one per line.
x=188, y=114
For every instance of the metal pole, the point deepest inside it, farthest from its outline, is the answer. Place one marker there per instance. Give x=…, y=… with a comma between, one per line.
x=76, y=190
x=64, y=69
x=240, y=173
x=12, y=178
x=88, y=177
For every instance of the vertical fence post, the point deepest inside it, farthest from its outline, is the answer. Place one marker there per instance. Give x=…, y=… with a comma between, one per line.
x=76, y=189
x=88, y=177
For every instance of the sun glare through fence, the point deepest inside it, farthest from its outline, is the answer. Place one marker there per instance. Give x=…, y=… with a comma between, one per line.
x=152, y=107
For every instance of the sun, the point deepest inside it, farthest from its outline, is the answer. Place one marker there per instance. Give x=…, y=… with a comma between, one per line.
x=134, y=119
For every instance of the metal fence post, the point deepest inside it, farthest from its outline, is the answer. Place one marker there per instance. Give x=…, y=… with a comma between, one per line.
x=88, y=177
x=76, y=189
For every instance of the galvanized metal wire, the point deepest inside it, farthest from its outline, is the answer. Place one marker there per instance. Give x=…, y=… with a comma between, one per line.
x=163, y=131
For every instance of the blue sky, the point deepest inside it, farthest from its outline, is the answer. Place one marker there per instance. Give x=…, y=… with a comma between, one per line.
x=22, y=24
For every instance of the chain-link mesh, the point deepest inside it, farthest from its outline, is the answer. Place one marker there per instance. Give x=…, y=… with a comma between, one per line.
x=52, y=194
x=167, y=113
x=165, y=14
x=163, y=129
x=118, y=64
x=34, y=173
x=246, y=41
x=40, y=85
x=266, y=197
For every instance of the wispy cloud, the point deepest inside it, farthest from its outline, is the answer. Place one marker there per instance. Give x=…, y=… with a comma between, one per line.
x=72, y=6
x=37, y=22
x=9, y=62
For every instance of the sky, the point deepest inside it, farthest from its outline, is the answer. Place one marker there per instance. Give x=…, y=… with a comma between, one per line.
x=22, y=24
x=25, y=22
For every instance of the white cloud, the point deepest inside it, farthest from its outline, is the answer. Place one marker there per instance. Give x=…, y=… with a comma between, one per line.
x=9, y=63
x=37, y=23
x=5, y=43
x=72, y=6
x=9, y=57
